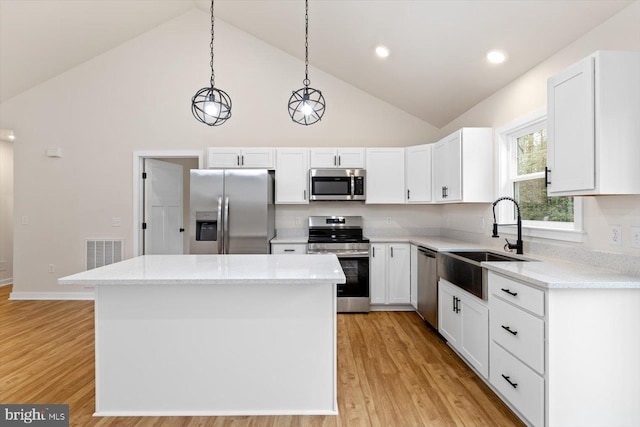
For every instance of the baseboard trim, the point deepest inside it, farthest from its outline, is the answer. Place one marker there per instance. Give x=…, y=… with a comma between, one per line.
x=51, y=296
x=5, y=282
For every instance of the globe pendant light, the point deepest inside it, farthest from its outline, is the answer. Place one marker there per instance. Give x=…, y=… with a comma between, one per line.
x=306, y=105
x=209, y=105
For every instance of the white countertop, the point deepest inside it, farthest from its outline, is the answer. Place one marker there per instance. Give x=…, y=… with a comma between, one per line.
x=213, y=269
x=558, y=275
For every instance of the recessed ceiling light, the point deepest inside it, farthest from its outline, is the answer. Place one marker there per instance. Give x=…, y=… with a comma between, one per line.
x=382, y=51
x=496, y=57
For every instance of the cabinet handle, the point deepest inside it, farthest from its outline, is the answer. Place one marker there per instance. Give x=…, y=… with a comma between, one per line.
x=304, y=195
x=457, y=305
x=289, y=250
x=338, y=160
x=509, y=292
x=506, y=378
x=242, y=159
x=391, y=251
x=508, y=329
x=547, y=171
x=446, y=192
x=335, y=162
x=453, y=299
x=373, y=250
x=238, y=160
x=408, y=194
x=442, y=192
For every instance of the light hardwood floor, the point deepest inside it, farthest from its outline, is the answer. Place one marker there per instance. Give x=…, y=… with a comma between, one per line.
x=392, y=371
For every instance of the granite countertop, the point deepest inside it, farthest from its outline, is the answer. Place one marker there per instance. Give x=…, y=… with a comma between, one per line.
x=213, y=269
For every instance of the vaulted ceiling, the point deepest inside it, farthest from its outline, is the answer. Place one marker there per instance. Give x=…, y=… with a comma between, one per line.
x=436, y=70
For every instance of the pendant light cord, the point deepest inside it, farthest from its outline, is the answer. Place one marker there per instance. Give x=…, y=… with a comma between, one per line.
x=306, y=81
x=213, y=76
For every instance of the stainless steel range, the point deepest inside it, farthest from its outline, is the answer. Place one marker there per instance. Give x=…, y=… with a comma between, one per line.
x=342, y=235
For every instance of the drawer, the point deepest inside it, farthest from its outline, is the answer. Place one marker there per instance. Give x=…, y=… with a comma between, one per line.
x=519, y=332
x=289, y=249
x=526, y=390
x=517, y=293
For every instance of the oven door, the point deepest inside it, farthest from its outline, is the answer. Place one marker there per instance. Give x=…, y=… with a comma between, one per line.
x=356, y=271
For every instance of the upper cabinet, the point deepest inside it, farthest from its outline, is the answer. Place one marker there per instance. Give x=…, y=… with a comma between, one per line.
x=463, y=167
x=594, y=126
x=231, y=157
x=292, y=176
x=418, y=173
x=347, y=158
x=385, y=175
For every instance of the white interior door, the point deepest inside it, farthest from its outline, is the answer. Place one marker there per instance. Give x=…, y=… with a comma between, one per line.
x=163, y=208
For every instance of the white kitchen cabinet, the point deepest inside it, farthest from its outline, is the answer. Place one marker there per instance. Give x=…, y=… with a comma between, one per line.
x=389, y=278
x=418, y=173
x=594, y=127
x=463, y=167
x=346, y=158
x=292, y=176
x=565, y=356
x=230, y=157
x=289, y=248
x=385, y=175
x=463, y=320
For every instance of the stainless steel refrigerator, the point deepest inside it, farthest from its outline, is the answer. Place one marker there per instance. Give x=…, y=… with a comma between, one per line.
x=231, y=211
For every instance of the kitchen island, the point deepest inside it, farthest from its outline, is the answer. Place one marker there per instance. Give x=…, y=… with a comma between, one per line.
x=215, y=334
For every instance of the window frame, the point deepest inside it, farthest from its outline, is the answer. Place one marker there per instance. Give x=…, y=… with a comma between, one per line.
x=507, y=174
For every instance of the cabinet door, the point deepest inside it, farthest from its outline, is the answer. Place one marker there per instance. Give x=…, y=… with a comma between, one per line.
x=257, y=158
x=385, y=175
x=352, y=158
x=399, y=274
x=439, y=173
x=449, y=324
x=323, y=158
x=378, y=274
x=220, y=158
x=571, y=128
x=292, y=176
x=474, y=338
x=447, y=168
x=418, y=173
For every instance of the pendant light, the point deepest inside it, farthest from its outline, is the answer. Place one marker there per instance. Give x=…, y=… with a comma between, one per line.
x=306, y=105
x=209, y=105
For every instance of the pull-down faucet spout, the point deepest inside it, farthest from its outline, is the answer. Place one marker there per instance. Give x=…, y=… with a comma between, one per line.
x=518, y=245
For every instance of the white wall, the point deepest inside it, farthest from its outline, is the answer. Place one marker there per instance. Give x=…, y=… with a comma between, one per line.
x=6, y=211
x=528, y=94
x=137, y=97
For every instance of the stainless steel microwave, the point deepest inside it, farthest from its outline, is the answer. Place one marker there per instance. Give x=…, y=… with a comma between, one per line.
x=337, y=184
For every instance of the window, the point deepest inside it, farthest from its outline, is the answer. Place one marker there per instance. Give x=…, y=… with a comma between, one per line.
x=522, y=160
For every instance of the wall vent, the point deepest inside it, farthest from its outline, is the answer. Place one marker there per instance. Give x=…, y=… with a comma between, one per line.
x=101, y=252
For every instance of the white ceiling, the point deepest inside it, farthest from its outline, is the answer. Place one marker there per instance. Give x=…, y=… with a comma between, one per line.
x=437, y=68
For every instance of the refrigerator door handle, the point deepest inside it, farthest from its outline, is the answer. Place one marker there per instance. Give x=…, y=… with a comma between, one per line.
x=225, y=238
x=219, y=225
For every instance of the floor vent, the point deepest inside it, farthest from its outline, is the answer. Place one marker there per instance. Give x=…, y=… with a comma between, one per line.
x=102, y=252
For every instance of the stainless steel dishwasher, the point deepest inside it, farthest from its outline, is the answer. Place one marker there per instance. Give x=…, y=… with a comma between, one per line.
x=428, y=286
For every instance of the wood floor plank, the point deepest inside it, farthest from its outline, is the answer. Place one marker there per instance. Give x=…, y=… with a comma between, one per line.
x=393, y=370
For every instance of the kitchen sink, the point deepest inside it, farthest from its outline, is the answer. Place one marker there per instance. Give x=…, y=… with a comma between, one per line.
x=464, y=269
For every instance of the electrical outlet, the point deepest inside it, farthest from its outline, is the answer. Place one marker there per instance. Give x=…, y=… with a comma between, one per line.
x=635, y=237
x=116, y=221
x=297, y=220
x=615, y=235
x=52, y=268
x=24, y=220
x=388, y=220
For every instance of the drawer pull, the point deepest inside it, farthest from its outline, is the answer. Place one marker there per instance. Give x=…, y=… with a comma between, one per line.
x=509, y=292
x=289, y=250
x=506, y=378
x=506, y=328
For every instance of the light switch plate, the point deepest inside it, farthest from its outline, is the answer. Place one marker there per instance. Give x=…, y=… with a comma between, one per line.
x=635, y=237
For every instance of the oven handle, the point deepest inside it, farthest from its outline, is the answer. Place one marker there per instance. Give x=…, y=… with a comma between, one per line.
x=359, y=254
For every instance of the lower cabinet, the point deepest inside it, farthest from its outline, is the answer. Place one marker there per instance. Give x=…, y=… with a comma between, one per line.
x=390, y=278
x=463, y=320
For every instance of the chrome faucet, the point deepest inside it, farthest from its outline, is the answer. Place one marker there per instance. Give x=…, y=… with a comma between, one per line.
x=518, y=245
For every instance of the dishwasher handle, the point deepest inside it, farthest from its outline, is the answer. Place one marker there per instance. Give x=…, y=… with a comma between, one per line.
x=427, y=252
